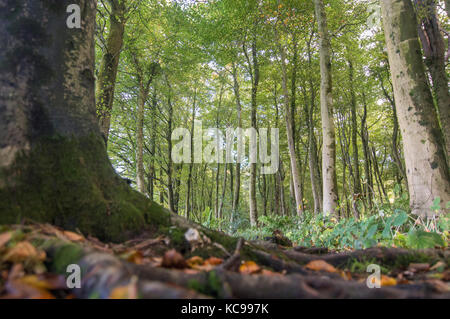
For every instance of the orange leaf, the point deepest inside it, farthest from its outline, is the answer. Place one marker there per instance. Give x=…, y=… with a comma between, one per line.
x=214, y=261
x=73, y=236
x=249, y=267
x=195, y=261
x=23, y=251
x=320, y=265
x=49, y=282
x=388, y=281
x=134, y=257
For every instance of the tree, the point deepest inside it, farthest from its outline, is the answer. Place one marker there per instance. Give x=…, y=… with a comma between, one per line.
x=435, y=58
x=330, y=190
x=426, y=166
x=106, y=79
x=53, y=164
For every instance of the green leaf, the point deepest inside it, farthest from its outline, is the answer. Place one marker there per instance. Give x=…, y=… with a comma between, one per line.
x=400, y=219
x=372, y=230
x=420, y=239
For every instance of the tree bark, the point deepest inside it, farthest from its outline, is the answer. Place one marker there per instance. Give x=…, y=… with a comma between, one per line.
x=330, y=190
x=434, y=50
x=426, y=166
x=106, y=79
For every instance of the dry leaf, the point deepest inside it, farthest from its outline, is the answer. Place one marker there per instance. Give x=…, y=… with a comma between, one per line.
x=173, y=259
x=47, y=281
x=23, y=251
x=5, y=238
x=73, y=236
x=125, y=292
x=214, y=261
x=388, y=281
x=134, y=257
x=195, y=261
x=249, y=267
x=320, y=265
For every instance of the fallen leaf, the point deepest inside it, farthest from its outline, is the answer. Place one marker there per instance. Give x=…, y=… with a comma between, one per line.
x=73, y=236
x=195, y=261
x=173, y=259
x=125, y=292
x=17, y=289
x=4, y=238
x=388, y=281
x=346, y=275
x=134, y=257
x=46, y=281
x=320, y=265
x=249, y=267
x=214, y=261
x=23, y=251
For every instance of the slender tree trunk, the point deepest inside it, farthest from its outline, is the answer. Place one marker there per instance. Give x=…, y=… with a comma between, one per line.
x=290, y=132
x=237, y=183
x=152, y=169
x=106, y=79
x=330, y=190
x=355, y=167
x=222, y=197
x=170, y=191
x=140, y=173
x=253, y=166
x=191, y=164
x=426, y=166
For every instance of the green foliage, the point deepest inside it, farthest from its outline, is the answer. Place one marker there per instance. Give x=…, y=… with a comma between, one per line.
x=390, y=227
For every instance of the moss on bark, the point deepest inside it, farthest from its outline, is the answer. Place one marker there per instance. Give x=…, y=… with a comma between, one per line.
x=65, y=182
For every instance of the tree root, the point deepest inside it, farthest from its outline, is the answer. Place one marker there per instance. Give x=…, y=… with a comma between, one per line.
x=103, y=273
x=390, y=256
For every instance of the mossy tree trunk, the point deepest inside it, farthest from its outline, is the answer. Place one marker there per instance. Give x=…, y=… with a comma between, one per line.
x=426, y=167
x=53, y=161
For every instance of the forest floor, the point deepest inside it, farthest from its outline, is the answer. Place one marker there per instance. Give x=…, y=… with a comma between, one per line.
x=34, y=260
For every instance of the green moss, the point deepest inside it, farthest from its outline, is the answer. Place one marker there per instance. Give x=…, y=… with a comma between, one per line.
x=67, y=182
x=61, y=255
x=213, y=287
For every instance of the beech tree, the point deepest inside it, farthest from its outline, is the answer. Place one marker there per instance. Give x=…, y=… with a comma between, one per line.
x=426, y=167
x=53, y=161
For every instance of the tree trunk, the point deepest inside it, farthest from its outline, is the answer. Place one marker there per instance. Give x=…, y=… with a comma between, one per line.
x=330, y=190
x=191, y=164
x=426, y=167
x=237, y=181
x=434, y=50
x=106, y=79
x=53, y=162
x=295, y=173
x=140, y=173
x=253, y=167
x=152, y=169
